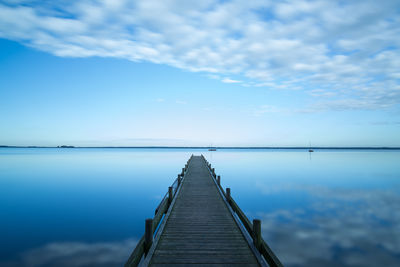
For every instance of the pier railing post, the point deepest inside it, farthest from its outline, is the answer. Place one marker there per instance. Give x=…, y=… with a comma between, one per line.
x=257, y=233
x=228, y=195
x=219, y=180
x=183, y=171
x=148, y=235
x=170, y=195
x=179, y=180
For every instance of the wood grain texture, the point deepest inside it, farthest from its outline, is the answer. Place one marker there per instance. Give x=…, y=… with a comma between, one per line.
x=200, y=229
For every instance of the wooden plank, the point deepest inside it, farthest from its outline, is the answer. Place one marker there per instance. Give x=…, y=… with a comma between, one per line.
x=136, y=255
x=160, y=212
x=201, y=258
x=269, y=255
x=202, y=265
x=247, y=224
x=200, y=228
x=198, y=245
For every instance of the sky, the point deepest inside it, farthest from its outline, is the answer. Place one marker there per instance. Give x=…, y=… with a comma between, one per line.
x=200, y=73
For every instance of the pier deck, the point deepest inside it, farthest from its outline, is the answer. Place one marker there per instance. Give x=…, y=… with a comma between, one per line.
x=200, y=228
x=199, y=223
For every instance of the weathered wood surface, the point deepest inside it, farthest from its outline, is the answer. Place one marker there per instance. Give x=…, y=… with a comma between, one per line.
x=200, y=229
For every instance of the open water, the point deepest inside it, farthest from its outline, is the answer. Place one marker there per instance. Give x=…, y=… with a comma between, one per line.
x=86, y=207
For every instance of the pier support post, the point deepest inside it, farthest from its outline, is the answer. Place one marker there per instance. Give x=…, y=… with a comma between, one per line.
x=183, y=171
x=179, y=180
x=219, y=180
x=213, y=171
x=148, y=235
x=228, y=195
x=257, y=233
x=170, y=195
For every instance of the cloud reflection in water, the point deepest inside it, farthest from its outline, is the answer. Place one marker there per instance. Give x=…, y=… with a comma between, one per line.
x=341, y=227
x=77, y=254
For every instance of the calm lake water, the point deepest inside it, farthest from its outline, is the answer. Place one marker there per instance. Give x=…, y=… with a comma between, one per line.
x=86, y=207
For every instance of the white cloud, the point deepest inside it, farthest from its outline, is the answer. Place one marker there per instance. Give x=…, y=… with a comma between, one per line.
x=229, y=80
x=348, y=49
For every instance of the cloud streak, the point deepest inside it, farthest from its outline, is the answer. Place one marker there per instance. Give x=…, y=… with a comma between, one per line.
x=229, y=80
x=347, y=51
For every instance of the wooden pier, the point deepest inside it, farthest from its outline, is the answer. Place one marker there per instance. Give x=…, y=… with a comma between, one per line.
x=198, y=222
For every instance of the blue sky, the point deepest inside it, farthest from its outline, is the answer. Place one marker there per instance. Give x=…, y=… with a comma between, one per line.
x=246, y=73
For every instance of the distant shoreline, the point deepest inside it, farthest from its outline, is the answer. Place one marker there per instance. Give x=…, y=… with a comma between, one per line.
x=203, y=147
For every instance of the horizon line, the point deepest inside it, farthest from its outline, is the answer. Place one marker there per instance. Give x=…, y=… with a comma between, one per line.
x=216, y=147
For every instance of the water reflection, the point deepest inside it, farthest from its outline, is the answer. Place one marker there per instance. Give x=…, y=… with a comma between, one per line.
x=86, y=207
x=338, y=209
x=76, y=254
x=94, y=196
x=341, y=227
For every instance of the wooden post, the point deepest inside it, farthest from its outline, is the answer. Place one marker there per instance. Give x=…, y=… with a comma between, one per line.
x=219, y=180
x=257, y=233
x=179, y=180
x=183, y=171
x=170, y=195
x=228, y=195
x=148, y=235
